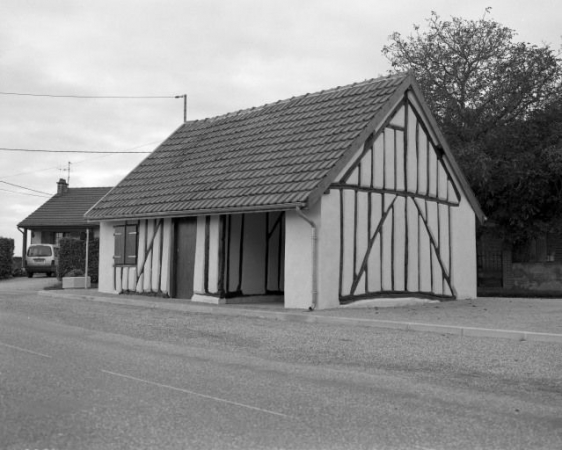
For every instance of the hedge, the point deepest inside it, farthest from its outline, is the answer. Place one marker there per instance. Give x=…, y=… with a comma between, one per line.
x=72, y=256
x=6, y=257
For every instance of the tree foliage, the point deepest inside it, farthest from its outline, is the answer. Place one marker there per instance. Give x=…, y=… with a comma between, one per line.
x=498, y=104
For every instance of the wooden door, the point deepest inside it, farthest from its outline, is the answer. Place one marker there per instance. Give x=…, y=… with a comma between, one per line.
x=185, y=232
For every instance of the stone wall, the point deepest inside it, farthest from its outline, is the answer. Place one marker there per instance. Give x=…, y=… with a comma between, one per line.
x=537, y=276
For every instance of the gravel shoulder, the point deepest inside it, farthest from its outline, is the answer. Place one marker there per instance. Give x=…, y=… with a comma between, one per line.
x=523, y=314
x=539, y=315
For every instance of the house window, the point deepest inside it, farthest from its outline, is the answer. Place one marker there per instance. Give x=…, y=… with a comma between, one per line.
x=126, y=245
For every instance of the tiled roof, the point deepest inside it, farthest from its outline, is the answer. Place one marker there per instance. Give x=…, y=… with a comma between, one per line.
x=65, y=210
x=273, y=156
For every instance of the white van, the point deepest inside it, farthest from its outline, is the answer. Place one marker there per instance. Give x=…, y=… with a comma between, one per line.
x=42, y=258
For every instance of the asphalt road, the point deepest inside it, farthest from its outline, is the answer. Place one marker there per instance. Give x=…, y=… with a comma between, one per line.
x=83, y=375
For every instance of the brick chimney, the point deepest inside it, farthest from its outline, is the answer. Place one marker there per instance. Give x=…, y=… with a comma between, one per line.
x=62, y=187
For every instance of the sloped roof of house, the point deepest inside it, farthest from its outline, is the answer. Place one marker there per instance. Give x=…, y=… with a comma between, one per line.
x=278, y=156
x=65, y=210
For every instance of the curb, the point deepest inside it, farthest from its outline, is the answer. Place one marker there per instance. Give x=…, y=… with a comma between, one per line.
x=307, y=317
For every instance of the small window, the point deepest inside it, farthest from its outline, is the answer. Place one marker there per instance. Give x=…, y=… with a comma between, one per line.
x=125, y=245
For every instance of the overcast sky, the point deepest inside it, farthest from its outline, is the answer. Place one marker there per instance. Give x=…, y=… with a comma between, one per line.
x=224, y=54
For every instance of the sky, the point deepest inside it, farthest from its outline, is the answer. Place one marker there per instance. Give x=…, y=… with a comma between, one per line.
x=225, y=55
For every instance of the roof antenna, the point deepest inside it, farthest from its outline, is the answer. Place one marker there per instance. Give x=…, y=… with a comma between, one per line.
x=68, y=173
x=184, y=96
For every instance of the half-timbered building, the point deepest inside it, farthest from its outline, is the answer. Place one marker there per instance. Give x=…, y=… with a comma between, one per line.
x=327, y=198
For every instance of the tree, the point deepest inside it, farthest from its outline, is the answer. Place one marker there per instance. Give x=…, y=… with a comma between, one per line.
x=498, y=104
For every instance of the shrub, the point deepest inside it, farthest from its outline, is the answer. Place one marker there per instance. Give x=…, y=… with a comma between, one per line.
x=6, y=257
x=74, y=273
x=72, y=257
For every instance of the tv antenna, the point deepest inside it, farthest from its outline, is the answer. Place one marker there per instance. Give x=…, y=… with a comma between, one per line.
x=67, y=170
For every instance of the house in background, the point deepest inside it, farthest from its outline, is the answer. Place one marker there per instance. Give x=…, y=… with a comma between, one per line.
x=346, y=194
x=62, y=215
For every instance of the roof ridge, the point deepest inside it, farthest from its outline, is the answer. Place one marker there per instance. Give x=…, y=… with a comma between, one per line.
x=244, y=111
x=90, y=187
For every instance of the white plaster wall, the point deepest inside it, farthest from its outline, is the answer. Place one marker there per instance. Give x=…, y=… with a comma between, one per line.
x=199, y=269
x=348, y=231
x=105, y=283
x=398, y=118
x=362, y=234
x=298, y=258
x=154, y=260
x=413, y=220
x=214, y=236
x=399, y=236
x=374, y=264
x=167, y=256
x=147, y=274
x=464, y=250
x=329, y=251
x=141, y=254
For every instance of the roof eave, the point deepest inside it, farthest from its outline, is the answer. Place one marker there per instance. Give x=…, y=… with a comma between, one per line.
x=70, y=226
x=204, y=212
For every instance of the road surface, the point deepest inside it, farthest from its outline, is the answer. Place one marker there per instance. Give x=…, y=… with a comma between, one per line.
x=86, y=375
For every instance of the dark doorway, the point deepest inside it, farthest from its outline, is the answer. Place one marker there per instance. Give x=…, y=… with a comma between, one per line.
x=185, y=232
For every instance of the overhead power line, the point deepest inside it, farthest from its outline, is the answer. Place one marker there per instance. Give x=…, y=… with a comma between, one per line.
x=23, y=187
x=25, y=193
x=93, y=96
x=107, y=97
x=7, y=149
x=77, y=162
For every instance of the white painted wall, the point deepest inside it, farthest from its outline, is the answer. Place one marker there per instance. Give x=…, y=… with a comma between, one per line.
x=167, y=257
x=298, y=258
x=214, y=229
x=463, y=274
x=199, y=269
x=105, y=283
x=329, y=251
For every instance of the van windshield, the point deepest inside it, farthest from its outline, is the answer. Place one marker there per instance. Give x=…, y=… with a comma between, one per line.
x=39, y=250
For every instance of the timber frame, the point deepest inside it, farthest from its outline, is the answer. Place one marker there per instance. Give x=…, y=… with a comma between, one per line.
x=395, y=213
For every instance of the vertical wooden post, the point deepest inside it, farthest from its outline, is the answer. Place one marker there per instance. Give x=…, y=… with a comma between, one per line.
x=87, y=251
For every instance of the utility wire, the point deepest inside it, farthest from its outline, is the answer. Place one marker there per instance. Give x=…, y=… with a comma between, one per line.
x=31, y=171
x=94, y=96
x=77, y=162
x=7, y=149
x=25, y=193
x=23, y=187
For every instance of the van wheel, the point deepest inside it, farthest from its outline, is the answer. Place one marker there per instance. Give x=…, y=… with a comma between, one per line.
x=29, y=274
x=49, y=274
